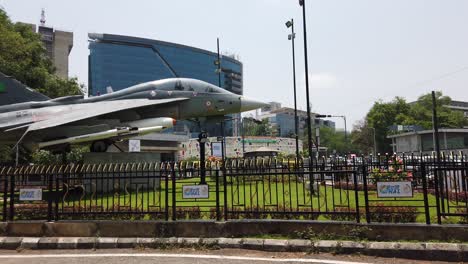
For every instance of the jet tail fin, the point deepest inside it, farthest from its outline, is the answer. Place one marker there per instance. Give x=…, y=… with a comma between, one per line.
x=109, y=89
x=13, y=91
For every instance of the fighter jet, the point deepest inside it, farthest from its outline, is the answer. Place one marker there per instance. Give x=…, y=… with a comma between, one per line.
x=37, y=122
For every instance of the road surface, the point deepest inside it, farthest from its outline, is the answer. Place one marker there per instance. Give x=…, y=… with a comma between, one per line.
x=183, y=256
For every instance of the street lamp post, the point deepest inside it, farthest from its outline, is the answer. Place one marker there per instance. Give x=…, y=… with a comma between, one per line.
x=292, y=36
x=309, y=126
x=243, y=136
x=375, y=142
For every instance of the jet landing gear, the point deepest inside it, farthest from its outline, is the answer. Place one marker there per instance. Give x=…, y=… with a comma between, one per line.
x=99, y=146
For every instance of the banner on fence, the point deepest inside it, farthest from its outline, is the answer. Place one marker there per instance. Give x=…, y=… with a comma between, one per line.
x=30, y=195
x=394, y=189
x=195, y=191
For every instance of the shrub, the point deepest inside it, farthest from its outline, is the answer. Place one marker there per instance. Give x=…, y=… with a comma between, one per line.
x=392, y=214
x=255, y=212
x=344, y=214
x=294, y=213
x=458, y=196
x=461, y=196
x=463, y=219
x=351, y=186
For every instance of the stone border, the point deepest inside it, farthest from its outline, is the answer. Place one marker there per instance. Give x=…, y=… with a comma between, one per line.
x=239, y=228
x=421, y=251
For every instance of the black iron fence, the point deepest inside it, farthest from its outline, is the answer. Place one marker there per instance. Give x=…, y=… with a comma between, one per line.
x=379, y=189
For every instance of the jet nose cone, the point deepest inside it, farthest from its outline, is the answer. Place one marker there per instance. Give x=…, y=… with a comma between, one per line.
x=250, y=104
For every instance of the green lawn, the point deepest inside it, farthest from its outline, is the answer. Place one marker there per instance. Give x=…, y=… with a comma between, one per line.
x=261, y=195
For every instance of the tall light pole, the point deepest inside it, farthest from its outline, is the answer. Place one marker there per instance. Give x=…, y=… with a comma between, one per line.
x=309, y=126
x=218, y=70
x=375, y=142
x=292, y=36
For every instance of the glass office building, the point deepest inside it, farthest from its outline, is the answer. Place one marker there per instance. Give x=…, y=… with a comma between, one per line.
x=122, y=61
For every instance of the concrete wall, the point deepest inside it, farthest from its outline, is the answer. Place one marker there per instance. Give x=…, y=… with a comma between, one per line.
x=408, y=144
x=241, y=228
x=121, y=157
x=234, y=146
x=63, y=43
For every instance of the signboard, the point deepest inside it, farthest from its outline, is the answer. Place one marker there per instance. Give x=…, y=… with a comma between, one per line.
x=394, y=189
x=134, y=145
x=217, y=149
x=30, y=195
x=195, y=191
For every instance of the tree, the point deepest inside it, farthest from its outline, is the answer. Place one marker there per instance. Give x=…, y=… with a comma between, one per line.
x=383, y=115
x=333, y=140
x=421, y=113
x=362, y=138
x=256, y=128
x=24, y=57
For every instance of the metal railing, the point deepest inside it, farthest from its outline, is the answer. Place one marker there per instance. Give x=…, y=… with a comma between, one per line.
x=324, y=189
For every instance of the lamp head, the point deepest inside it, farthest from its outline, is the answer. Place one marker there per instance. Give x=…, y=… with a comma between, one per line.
x=289, y=23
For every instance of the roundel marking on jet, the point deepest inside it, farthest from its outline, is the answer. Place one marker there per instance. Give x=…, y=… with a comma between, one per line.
x=153, y=93
x=208, y=104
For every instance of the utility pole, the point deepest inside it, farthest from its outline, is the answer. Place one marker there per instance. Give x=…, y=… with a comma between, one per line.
x=309, y=121
x=439, y=183
x=291, y=37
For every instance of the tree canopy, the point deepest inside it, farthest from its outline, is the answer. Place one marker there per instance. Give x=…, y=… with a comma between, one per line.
x=383, y=115
x=24, y=57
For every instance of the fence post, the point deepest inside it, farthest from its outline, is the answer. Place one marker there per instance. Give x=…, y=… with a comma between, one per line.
x=436, y=186
x=426, y=202
x=12, y=197
x=57, y=195
x=50, y=197
x=5, y=196
x=356, y=195
x=174, y=189
x=218, y=212
x=225, y=194
x=366, y=193
x=166, y=193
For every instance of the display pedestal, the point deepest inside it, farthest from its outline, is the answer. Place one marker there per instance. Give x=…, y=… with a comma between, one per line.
x=121, y=157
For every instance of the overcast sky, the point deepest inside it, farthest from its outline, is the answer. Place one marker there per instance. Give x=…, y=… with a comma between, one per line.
x=359, y=51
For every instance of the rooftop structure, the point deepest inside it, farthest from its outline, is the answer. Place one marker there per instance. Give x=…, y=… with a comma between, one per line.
x=451, y=139
x=281, y=120
x=58, y=44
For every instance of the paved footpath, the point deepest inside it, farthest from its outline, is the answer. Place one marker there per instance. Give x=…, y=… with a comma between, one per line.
x=416, y=250
x=185, y=256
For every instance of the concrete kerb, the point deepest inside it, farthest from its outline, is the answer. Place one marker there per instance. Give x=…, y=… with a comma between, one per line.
x=234, y=228
x=30, y=242
x=418, y=250
x=47, y=243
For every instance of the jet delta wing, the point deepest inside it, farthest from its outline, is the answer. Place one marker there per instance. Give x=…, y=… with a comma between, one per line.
x=144, y=108
x=65, y=114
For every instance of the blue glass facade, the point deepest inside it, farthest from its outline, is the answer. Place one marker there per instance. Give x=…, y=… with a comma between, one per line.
x=123, y=61
x=120, y=62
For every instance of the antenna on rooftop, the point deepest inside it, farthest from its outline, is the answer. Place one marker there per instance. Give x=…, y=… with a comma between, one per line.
x=42, y=17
